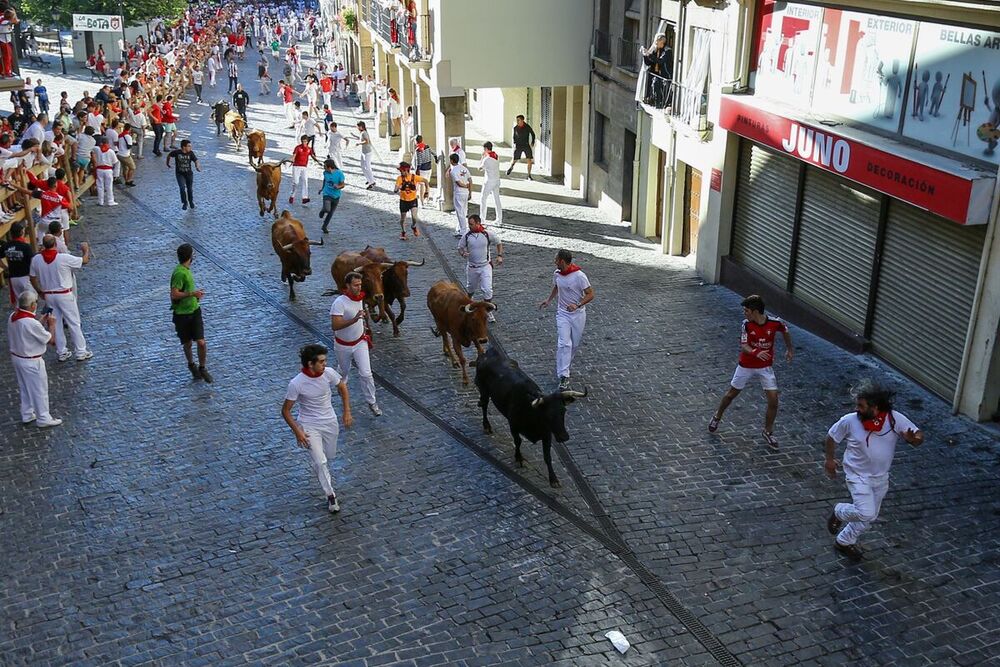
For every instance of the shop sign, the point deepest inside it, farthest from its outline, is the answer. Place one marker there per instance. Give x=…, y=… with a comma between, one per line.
x=964, y=200
x=716, y=181
x=97, y=23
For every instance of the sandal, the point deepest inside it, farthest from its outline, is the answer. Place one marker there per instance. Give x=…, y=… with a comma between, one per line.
x=402, y=236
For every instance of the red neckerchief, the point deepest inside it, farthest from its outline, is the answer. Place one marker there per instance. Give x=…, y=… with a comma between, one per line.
x=477, y=228
x=20, y=238
x=49, y=255
x=492, y=154
x=21, y=314
x=570, y=268
x=310, y=373
x=359, y=297
x=105, y=148
x=875, y=423
x=421, y=146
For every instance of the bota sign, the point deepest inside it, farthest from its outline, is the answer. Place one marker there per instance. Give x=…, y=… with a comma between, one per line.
x=97, y=23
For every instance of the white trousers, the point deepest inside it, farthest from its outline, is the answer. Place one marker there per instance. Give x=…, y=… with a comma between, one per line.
x=290, y=112
x=327, y=99
x=366, y=167
x=105, y=187
x=65, y=309
x=300, y=182
x=140, y=140
x=491, y=188
x=359, y=354
x=335, y=156
x=33, y=382
x=18, y=285
x=461, y=200
x=211, y=78
x=479, y=277
x=322, y=449
x=867, y=492
x=42, y=226
x=569, y=331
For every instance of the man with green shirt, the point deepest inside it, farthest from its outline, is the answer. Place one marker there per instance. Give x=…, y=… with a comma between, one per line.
x=186, y=306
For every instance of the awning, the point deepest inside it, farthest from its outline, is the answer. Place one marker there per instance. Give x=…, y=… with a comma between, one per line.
x=950, y=188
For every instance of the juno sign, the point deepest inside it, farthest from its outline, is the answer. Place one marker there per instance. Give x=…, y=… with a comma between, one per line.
x=97, y=23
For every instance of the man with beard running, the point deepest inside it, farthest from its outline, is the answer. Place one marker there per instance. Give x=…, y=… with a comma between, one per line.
x=352, y=341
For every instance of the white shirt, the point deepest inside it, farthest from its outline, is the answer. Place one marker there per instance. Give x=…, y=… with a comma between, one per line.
x=197, y=77
x=571, y=289
x=125, y=144
x=491, y=169
x=84, y=144
x=314, y=396
x=34, y=131
x=27, y=336
x=461, y=154
x=460, y=173
x=869, y=453
x=105, y=158
x=55, y=276
x=95, y=121
x=334, y=141
x=307, y=127
x=478, y=246
x=112, y=135
x=347, y=308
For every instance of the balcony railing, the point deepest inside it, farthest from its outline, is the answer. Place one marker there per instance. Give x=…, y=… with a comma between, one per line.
x=688, y=105
x=628, y=55
x=657, y=91
x=602, y=45
x=410, y=34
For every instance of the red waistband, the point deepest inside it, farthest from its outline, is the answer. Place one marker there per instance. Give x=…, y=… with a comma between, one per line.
x=353, y=342
x=60, y=291
x=101, y=166
x=21, y=356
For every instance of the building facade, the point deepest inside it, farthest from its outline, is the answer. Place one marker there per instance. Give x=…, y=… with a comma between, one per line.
x=841, y=160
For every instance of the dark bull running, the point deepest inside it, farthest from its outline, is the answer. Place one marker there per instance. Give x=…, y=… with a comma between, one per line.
x=529, y=412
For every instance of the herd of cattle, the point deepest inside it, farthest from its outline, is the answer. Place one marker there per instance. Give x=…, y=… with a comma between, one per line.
x=459, y=320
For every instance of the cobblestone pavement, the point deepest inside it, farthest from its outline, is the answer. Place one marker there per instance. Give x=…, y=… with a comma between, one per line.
x=174, y=522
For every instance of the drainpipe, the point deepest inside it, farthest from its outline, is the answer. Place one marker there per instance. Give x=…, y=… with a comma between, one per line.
x=977, y=300
x=641, y=146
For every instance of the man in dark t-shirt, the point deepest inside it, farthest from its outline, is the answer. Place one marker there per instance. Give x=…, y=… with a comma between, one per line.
x=185, y=164
x=16, y=254
x=524, y=140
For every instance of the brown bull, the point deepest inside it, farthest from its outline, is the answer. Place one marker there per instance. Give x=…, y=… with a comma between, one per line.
x=395, y=282
x=292, y=246
x=458, y=316
x=236, y=127
x=268, y=184
x=371, y=280
x=256, y=144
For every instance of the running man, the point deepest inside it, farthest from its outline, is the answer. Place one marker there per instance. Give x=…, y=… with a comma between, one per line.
x=475, y=247
x=365, y=142
x=490, y=164
x=756, y=360
x=461, y=191
x=524, y=140
x=300, y=166
x=185, y=302
x=408, y=186
x=333, y=183
x=352, y=342
x=573, y=288
x=317, y=429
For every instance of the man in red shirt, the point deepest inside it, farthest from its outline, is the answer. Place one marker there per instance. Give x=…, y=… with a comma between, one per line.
x=756, y=360
x=326, y=87
x=287, y=95
x=170, y=119
x=156, y=121
x=300, y=164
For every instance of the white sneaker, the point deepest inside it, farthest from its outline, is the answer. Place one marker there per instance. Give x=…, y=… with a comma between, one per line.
x=65, y=356
x=112, y=203
x=53, y=422
x=376, y=410
x=332, y=505
x=490, y=317
x=30, y=419
x=86, y=354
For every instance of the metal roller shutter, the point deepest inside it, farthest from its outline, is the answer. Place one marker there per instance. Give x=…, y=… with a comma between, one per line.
x=837, y=234
x=925, y=291
x=765, y=212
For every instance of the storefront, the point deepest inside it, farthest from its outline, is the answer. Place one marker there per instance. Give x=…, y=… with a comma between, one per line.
x=863, y=191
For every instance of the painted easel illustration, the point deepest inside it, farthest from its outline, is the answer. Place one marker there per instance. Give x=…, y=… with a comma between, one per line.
x=989, y=131
x=966, y=105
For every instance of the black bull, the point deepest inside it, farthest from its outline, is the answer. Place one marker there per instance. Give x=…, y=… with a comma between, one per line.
x=530, y=413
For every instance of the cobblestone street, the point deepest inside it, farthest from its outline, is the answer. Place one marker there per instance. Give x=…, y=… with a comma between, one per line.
x=174, y=522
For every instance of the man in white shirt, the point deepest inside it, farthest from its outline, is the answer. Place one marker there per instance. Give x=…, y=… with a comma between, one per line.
x=455, y=147
x=212, y=66
x=871, y=434
x=461, y=191
x=36, y=130
x=335, y=140
x=317, y=429
x=28, y=338
x=573, y=288
x=52, y=277
x=490, y=165
x=475, y=247
x=105, y=160
x=347, y=317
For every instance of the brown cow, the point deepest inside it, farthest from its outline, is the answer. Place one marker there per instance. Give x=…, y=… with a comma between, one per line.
x=256, y=144
x=235, y=126
x=292, y=246
x=371, y=280
x=268, y=184
x=395, y=282
x=458, y=316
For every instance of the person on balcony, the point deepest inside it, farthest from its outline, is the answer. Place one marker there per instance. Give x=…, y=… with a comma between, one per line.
x=659, y=59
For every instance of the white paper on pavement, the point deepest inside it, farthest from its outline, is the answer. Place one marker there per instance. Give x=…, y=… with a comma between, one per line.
x=618, y=640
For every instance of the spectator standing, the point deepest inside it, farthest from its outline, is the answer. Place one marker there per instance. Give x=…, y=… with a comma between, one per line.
x=28, y=339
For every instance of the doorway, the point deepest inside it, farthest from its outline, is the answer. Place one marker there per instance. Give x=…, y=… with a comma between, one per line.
x=661, y=166
x=628, y=160
x=543, y=158
x=692, y=210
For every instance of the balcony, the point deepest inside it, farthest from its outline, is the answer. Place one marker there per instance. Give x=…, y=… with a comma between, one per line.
x=628, y=55
x=411, y=34
x=602, y=45
x=689, y=106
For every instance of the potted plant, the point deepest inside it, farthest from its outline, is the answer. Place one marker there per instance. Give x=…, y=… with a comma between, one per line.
x=351, y=19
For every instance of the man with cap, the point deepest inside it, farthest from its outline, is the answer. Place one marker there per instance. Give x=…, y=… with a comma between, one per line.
x=28, y=339
x=52, y=277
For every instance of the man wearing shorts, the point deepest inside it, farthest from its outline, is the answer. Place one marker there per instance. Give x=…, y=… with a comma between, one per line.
x=756, y=360
x=408, y=186
x=524, y=139
x=317, y=429
x=185, y=302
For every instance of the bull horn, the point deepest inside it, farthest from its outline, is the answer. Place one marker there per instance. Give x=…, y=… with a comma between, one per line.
x=287, y=246
x=320, y=242
x=410, y=262
x=538, y=401
x=385, y=265
x=467, y=308
x=490, y=305
x=569, y=393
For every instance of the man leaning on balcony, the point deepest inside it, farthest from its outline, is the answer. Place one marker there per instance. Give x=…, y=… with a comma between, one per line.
x=659, y=59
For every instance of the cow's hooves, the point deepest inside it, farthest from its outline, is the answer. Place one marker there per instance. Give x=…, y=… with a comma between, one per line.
x=487, y=429
x=554, y=483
